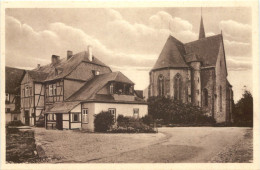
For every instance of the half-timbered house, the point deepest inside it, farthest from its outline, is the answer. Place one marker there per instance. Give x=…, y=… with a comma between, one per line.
x=69, y=92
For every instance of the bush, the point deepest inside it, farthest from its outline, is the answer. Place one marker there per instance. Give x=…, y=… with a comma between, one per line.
x=103, y=121
x=15, y=123
x=175, y=112
x=148, y=119
x=131, y=125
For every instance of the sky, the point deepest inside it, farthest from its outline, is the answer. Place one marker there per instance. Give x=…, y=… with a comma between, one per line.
x=127, y=39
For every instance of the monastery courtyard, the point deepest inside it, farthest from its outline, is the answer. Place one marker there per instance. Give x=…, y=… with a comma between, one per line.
x=179, y=144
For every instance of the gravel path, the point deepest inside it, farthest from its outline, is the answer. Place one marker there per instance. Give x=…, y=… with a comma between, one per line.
x=179, y=144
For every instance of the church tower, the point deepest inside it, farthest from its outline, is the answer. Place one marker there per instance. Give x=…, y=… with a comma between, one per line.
x=202, y=31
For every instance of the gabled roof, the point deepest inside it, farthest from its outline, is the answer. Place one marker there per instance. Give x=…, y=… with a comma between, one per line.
x=13, y=78
x=92, y=86
x=172, y=55
x=37, y=75
x=65, y=67
x=206, y=49
x=61, y=107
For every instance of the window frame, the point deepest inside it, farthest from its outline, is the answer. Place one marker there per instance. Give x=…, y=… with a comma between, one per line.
x=73, y=118
x=85, y=115
x=136, y=113
x=26, y=91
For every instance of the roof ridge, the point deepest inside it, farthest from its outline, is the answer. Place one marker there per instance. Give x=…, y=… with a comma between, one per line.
x=202, y=39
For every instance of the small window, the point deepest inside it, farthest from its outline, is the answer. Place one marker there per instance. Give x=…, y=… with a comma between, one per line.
x=113, y=112
x=26, y=91
x=8, y=110
x=50, y=90
x=51, y=117
x=97, y=73
x=136, y=113
x=85, y=116
x=7, y=97
x=75, y=117
x=54, y=89
x=15, y=117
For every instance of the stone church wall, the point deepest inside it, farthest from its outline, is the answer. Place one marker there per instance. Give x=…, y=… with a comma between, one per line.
x=207, y=82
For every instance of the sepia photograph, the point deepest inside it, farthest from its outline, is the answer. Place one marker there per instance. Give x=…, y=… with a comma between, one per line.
x=131, y=84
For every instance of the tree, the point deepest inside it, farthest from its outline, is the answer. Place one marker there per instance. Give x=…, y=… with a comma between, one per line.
x=243, y=110
x=175, y=112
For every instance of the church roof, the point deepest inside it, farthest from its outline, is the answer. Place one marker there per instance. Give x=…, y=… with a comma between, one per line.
x=206, y=49
x=172, y=55
x=175, y=54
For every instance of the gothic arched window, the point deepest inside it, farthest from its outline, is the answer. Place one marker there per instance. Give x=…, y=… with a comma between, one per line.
x=177, y=86
x=220, y=98
x=205, y=96
x=160, y=85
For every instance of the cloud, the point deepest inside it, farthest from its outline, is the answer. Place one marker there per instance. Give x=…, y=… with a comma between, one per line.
x=181, y=29
x=37, y=46
x=235, y=30
x=239, y=63
x=236, y=48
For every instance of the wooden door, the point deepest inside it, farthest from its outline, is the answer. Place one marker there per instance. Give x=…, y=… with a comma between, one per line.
x=59, y=124
x=27, y=118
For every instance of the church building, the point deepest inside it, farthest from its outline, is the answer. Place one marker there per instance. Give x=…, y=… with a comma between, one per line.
x=195, y=72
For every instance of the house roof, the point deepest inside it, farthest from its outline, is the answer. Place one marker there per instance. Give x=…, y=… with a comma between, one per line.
x=139, y=93
x=37, y=75
x=172, y=55
x=206, y=49
x=13, y=78
x=64, y=67
x=92, y=86
x=61, y=107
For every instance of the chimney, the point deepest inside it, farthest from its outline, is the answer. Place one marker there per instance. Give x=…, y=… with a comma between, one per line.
x=38, y=66
x=55, y=59
x=90, y=56
x=69, y=54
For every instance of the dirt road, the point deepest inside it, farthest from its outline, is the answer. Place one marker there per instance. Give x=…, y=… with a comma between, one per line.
x=180, y=144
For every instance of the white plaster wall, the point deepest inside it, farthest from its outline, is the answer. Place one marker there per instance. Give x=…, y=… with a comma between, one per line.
x=123, y=109
x=77, y=108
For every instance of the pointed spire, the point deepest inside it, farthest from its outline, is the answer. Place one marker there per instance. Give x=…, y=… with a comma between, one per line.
x=202, y=31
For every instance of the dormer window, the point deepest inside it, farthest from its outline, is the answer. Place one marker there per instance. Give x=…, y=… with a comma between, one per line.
x=111, y=88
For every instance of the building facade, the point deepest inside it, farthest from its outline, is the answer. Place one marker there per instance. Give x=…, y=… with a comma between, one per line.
x=69, y=92
x=195, y=72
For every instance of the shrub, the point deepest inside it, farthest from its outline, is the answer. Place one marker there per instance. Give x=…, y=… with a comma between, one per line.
x=103, y=121
x=15, y=123
x=131, y=125
x=175, y=112
x=147, y=119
